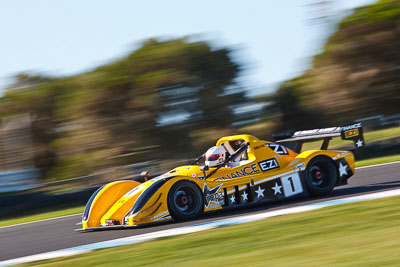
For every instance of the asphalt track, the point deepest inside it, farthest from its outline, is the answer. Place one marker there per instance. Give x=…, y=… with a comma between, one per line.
x=33, y=238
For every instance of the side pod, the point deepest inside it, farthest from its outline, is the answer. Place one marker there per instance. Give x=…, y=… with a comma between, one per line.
x=102, y=200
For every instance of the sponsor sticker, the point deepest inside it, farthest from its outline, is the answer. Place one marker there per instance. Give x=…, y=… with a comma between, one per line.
x=213, y=197
x=161, y=216
x=112, y=222
x=277, y=148
x=268, y=164
x=351, y=133
x=317, y=131
x=248, y=170
x=345, y=128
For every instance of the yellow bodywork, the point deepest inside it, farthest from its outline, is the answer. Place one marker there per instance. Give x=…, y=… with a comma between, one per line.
x=104, y=202
x=113, y=204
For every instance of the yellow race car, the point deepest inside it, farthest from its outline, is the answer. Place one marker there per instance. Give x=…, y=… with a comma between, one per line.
x=239, y=170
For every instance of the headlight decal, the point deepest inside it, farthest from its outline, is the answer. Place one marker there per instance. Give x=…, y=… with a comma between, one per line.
x=85, y=215
x=147, y=194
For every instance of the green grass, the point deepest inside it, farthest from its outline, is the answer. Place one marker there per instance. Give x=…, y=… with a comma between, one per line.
x=42, y=216
x=369, y=136
x=386, y=159
x=380, y=135
x=358, y=234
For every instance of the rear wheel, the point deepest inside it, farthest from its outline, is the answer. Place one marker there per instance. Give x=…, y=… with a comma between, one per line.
x=185, y=200
x=320, y=176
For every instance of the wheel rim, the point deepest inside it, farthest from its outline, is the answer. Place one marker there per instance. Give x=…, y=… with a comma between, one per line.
x=320, y=175
x=185, y=200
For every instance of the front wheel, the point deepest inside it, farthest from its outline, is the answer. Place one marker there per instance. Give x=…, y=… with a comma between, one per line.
x=320, y=176
x=185, y=201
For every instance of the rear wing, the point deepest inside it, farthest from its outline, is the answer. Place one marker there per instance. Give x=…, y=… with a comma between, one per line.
x=294, y=140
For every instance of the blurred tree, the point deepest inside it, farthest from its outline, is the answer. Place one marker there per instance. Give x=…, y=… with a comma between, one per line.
x=171, y=88
x=293, y=110
x=357, y=75
x=141, y=107
x=35, y=95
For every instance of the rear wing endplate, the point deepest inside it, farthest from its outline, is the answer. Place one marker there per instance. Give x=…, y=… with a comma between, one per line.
x=295, y=140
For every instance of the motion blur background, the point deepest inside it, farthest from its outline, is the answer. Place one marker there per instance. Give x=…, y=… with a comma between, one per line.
x=167, y=98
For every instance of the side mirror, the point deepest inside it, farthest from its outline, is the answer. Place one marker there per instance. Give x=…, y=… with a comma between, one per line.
x=146, y=175
x=204, y=168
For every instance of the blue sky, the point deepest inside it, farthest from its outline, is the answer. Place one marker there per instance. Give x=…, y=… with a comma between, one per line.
x=273, y=39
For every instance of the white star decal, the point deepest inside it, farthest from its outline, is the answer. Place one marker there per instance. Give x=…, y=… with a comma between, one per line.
x=342, y=169
x=359, y=143
x=277, y=189
x=260, y=192
x=233, y=200
x=244, y=195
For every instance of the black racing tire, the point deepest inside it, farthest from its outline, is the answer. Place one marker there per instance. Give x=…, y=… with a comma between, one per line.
x=185, y=201
x=320, y=176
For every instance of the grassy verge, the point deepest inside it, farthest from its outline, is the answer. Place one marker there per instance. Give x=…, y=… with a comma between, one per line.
x=42, y=216
x=379, y=160
x=362, y=234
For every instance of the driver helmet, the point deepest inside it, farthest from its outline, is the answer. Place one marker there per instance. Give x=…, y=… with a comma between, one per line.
x=215, y=156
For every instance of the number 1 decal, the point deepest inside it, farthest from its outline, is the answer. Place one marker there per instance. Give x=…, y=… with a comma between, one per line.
x=291, y=184
x=290, y=179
